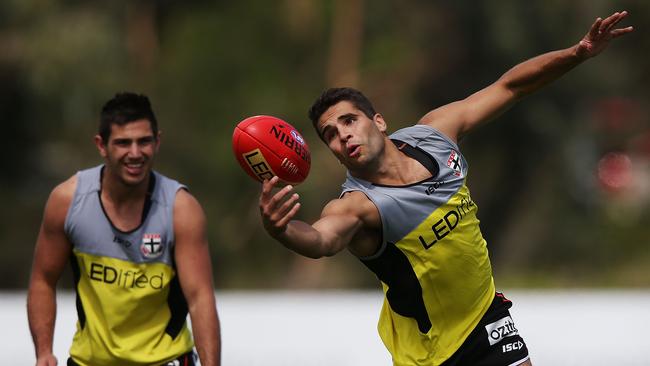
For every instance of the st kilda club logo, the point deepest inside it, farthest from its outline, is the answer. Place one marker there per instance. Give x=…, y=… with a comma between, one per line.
x=454, y=162
x=151, y=246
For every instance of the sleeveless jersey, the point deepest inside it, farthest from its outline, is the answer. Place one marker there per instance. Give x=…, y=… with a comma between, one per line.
x=433, y=263
x=129, y=302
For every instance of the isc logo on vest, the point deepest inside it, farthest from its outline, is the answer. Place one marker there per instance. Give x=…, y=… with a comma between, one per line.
x=125, y=278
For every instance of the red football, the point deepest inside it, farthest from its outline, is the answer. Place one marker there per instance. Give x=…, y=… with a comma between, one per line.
x=266, y=146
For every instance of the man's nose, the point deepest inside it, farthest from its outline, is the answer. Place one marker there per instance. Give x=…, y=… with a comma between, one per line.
x=135, y=150
x=344, y=133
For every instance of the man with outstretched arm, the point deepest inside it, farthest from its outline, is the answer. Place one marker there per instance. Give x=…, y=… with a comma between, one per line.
x=405, y=211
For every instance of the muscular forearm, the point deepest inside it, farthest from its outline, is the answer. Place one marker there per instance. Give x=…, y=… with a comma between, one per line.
x=206, y=329
x=41, y=310
x=533, y=74
x=324, y=238
x=303, y=239
x=340, y=221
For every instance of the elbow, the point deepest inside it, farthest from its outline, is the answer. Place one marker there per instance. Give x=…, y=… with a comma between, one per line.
x=519, y=92
x=519, y=88
x=315, y=255
x=323, y=252
x=333, y=248
x=330, y=253
x=513, y=90
x=323, y=246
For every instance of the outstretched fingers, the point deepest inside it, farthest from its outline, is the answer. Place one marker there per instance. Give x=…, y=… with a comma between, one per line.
x=292, y=206
x=621, y=31
x=601, y=32
x=276, y=209
x=595, y=28
x=611, y=21
x=270, y=201
x=608, y=22
x=267, y=188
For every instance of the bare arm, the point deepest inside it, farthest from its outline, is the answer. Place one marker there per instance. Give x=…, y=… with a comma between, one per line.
x=458, y=118
x=195, y=275
x=340, y=221
x=50, y=257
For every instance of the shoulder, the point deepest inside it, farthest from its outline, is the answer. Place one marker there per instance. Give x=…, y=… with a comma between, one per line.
x=447, y=118
x=60, y=200
x=187, y=209
x=416, y=131
x=189, y=221
x=354, y=204
x=352, y=201
x=167, y=189
x=165, y=180
x=422, y=134
x=63, y=193
x=186, y=202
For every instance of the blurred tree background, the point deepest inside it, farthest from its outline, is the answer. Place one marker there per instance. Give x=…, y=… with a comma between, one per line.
x=562, y=179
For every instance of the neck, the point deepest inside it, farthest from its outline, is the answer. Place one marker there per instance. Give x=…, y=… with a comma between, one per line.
x=383, y=168
x=120, y=193
x=393, y=167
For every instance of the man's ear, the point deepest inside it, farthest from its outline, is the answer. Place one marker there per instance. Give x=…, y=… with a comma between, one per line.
x=158, y=140
x=101, y=146
x=378, y=119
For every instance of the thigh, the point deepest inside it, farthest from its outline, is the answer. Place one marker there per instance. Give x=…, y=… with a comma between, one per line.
x=494, y=342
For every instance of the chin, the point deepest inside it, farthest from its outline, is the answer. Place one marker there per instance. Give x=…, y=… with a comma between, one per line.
x=133, y=181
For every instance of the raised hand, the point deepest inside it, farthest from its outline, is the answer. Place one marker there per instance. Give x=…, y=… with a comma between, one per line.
x=601, y=32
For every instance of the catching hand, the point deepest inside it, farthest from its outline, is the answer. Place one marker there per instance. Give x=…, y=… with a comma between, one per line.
x=277, y=211
x=601, y=32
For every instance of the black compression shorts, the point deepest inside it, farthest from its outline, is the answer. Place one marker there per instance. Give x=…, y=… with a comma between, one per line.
x=494, y=342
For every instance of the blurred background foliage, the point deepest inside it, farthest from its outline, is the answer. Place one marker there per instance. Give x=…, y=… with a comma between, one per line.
x=562, y=179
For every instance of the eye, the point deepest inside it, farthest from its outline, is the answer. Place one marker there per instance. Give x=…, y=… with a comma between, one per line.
x=146, y=141
x=121, y=142
x=328, y=134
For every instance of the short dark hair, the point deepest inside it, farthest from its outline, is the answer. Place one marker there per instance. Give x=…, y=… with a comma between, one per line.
x=124, y=108
x=332, y=96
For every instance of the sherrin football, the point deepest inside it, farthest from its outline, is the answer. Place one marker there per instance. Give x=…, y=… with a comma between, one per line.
x=266, y=146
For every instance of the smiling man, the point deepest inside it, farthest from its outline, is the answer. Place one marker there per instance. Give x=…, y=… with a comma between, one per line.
x=407, y=214
x=136, y=242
